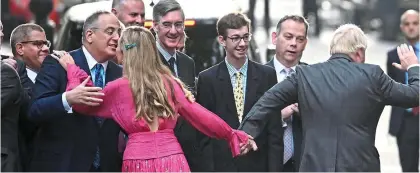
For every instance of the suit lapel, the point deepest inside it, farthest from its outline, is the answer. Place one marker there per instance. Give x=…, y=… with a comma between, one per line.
x=164, y=60
x=80, y=60
x=182, y=71
x=112, y=72
x=271, y=63
x=226, y=90
x=252, y=84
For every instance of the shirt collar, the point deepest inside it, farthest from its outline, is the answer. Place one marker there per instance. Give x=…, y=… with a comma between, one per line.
x=417, y=45
x=91, y=61
x=31, y=74
x=232, y=70
x=278, y=66
x=165, y=53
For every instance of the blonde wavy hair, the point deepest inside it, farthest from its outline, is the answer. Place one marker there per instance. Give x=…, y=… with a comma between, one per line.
x=348, y=39
x=146, y=72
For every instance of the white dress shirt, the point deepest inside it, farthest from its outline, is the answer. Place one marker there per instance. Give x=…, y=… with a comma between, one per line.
x=31, y=74
x=91, y=63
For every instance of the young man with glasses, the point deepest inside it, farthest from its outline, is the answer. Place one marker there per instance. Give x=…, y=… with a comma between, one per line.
x=230, y=89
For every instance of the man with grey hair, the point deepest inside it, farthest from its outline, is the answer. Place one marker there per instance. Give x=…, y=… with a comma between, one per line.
x=129, y=12
x=340, y=102
x=68, y=141
x=404, y=123
x=168, y=23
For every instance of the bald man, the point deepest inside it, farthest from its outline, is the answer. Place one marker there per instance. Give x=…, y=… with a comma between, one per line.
x=129, y=12
x=404, y=123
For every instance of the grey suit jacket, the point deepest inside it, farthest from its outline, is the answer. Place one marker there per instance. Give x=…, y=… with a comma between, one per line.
x=11, y=100
x=340, y=104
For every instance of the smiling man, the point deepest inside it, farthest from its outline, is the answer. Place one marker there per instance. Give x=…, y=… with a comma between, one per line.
x=229, y=89
x=168, y=23
x=67, y=141
x=129, y=12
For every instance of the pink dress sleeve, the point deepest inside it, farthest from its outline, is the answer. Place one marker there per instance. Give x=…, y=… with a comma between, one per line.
x=75, y=76
x=207, y=122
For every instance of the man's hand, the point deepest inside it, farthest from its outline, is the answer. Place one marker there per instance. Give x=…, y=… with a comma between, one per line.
x=251, y=145
x=84, y=95
x=289, y=110
x=11, y=62
x=63, y=58
x=407, y=57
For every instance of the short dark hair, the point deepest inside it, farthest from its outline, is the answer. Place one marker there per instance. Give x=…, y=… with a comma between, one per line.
x=22, y=33
x=232, y=21
x=92, y=21
x=163, y=7
x=296, y=18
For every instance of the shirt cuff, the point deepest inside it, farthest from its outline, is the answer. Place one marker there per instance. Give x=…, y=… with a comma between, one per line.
x=414, y=65
x=66, y=104
x=284, y=124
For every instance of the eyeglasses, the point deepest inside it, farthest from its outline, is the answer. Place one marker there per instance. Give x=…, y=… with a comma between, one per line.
x=38, y=43
x=237, y=39
x=177, y=25
x=111, y=31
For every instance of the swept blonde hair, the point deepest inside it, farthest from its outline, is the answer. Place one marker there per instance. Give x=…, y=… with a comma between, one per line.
x=347, y=39
x=146, y=72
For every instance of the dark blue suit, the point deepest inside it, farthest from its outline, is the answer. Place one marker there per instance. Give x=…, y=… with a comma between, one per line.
x=67, y=142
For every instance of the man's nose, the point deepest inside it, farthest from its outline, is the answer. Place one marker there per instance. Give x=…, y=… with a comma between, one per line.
x=139, y=19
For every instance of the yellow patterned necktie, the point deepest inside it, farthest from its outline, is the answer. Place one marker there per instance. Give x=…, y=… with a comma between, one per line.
x=239, y=95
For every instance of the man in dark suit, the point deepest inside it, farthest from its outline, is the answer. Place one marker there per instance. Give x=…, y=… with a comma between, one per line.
x=29, y=46
x=404, y=123
x=168, y=24
x=290, y=39
x=340, y=102
x=11, y=101
x=68, y=141
x=229, y=89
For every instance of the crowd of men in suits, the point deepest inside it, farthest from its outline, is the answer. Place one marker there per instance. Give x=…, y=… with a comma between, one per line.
x=40, y=132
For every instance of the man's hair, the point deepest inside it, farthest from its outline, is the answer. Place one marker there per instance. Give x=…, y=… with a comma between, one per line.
x=165, y=6
x=232, y=21
x=117, y=3
x=296, y=18
x=92, y=22
x=22, y=33
x=347, y=39
x=404, y=15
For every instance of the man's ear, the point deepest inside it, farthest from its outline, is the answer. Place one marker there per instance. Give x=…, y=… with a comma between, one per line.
x=113, y=10
x=88, y=36
x=221, y=40
x=19, y=49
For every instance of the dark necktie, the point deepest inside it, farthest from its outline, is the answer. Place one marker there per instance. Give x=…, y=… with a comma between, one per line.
x=172, y=65
x=99, y=82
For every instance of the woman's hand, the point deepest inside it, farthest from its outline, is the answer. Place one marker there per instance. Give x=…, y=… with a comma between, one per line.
x=64, y=58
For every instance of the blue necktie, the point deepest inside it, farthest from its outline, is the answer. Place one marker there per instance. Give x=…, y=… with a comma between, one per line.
x=288, y=132
x=98, y=72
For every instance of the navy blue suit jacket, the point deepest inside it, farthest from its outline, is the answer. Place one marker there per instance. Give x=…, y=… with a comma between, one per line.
x=67, y=142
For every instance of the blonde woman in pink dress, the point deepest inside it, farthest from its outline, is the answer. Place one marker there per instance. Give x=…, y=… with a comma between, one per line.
x=146, y=103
